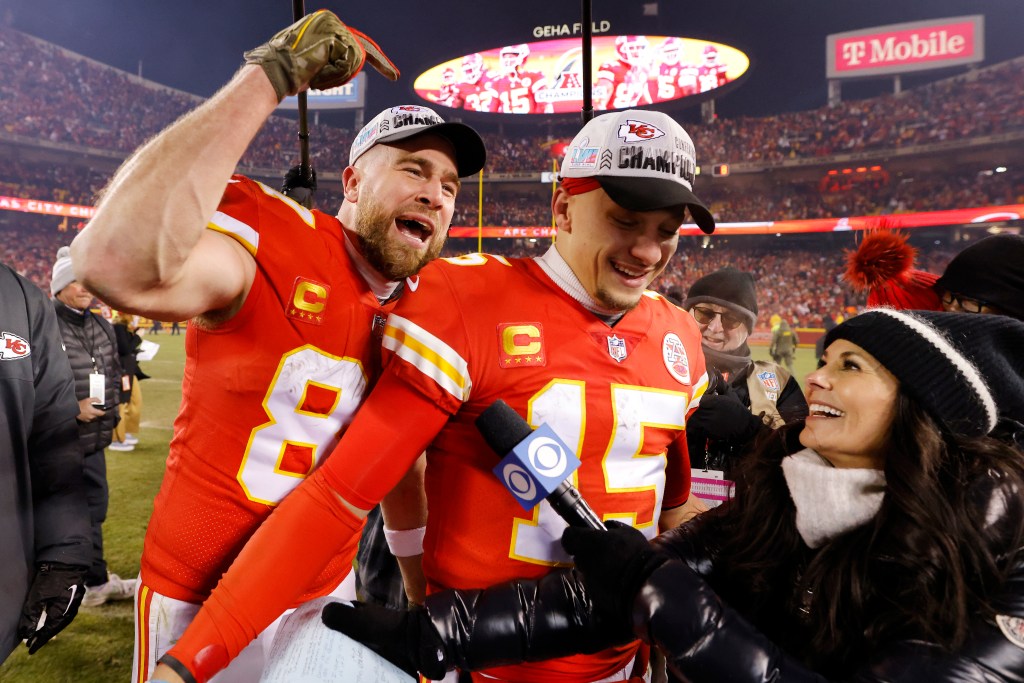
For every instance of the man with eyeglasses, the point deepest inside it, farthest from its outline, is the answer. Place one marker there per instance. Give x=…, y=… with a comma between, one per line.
x=986, y=277
x=747, y=397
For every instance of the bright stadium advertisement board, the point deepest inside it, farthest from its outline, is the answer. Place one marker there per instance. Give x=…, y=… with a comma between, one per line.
x=902, y=48
x=546, y=77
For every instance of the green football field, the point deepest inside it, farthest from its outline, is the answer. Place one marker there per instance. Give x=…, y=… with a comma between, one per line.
x=97, y=646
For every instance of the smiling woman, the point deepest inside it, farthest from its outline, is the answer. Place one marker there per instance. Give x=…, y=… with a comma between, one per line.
x=880, y=542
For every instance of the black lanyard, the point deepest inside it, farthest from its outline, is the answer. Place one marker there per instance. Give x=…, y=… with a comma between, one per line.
x=86, y=340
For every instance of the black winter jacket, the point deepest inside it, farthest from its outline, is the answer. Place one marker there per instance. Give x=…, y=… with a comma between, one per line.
x=42, y=500
x=86, y=337
x=705, y=640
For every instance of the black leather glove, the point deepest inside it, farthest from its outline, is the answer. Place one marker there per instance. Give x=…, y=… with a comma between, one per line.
x=406, y=638
x=613, y=564
x=57, y=591
x=724, y=417
x=298, y=187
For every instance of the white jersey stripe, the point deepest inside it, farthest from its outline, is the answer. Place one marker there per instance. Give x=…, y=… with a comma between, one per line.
x=245, y=235
x=429, y=355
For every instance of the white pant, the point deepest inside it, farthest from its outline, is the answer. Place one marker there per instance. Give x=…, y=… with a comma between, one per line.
x=166, y=620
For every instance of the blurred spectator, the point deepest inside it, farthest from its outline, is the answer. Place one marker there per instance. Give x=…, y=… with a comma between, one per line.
x=745, y=396
x=92, y=349
x=128, y=342
x=784, y=343
x=986, y=277
x=45, y=537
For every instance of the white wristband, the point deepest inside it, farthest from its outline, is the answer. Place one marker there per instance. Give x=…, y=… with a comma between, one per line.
x=405, y=543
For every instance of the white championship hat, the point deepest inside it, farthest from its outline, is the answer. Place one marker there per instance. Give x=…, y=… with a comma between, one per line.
x=643, y=160
x=405, y=121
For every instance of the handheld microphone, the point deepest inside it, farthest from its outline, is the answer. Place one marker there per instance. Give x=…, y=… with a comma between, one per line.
x=535, y=465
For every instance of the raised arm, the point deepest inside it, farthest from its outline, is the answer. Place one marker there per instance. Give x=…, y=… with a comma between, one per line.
x=146, y=249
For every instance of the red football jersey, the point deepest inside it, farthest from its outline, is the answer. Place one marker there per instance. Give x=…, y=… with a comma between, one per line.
x=479, y=328
x=479, y=96
x=266, y=395
x=621, y=86
x=711, y=76
x=518, y=94
x=676, y=80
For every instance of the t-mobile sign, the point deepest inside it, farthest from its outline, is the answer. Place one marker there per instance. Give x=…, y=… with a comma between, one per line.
x=899, y=48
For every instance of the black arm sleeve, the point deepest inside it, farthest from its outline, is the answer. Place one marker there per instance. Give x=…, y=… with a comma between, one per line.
x=62, y=532
x=520, y=621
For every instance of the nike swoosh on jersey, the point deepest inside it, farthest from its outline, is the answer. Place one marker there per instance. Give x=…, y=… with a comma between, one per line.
x=414, y=283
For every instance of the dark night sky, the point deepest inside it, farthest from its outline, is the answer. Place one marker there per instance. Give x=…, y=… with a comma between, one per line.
x=195, y=45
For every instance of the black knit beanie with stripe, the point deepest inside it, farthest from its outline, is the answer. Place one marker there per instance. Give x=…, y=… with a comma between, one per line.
x=966, y=370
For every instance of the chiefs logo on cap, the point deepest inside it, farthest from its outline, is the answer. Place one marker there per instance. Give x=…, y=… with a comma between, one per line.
x=308, y=301
x=521, y=345
x=639, y=131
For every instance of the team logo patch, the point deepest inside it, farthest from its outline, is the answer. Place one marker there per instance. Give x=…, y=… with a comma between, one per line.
x=769, y=379
x=617, y=348
x=308, y=302
x=1012, y=628
x=521, y=345
x=13, y=347
x=674, y=353
x=404, y=108
x=639, y=131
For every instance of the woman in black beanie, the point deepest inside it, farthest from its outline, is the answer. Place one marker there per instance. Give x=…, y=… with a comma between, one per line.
x=880, y=541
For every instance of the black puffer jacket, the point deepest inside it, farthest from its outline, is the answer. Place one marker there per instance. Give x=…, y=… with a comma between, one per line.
x=706, y=641
x=86, y=337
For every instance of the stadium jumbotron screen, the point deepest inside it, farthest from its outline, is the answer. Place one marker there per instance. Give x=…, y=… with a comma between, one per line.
x=546, y=77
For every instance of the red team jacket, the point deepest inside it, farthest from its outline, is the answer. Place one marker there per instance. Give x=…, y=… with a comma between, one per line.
x=265, y=396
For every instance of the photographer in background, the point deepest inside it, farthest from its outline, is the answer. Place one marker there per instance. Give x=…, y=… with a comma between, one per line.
x=745, y=396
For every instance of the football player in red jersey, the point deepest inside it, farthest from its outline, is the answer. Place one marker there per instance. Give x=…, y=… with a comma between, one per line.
x=573, y=339
x=448, y=93
x=624, y=83
x=475, y=90
x=517, y=88
x=675, y=79
x=288, y=306
x=712, y=73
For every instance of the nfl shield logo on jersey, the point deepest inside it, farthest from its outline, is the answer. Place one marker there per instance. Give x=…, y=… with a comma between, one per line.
x=617, y=348
x=769, y=380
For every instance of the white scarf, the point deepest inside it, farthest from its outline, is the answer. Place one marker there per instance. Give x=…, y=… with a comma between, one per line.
x=830, y=500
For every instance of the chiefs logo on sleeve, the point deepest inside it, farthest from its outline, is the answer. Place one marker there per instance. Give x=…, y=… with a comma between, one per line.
x=521, y=345
x=13, y=347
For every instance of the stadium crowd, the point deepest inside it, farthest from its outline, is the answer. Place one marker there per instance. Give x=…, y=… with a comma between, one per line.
x=65, y=98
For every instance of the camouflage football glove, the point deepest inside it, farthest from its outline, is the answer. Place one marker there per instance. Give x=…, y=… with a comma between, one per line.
x=320, y=51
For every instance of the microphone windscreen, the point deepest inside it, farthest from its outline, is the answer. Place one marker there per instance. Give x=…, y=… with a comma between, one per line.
x=502, y=427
